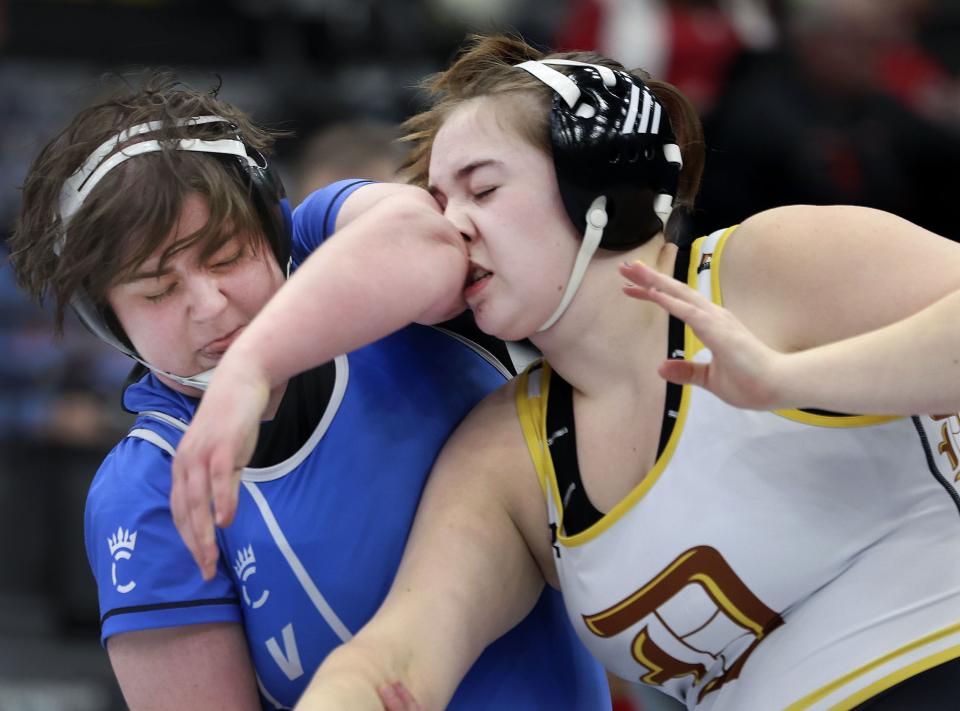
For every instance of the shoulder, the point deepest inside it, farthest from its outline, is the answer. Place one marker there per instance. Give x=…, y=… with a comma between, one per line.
x=315, y=218
x=784, y=272
x=133, y=480
x=132, y=468
x=493, y=428
x=826, y=233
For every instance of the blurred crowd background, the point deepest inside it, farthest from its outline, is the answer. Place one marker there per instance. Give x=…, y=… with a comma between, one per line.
x=812, y=101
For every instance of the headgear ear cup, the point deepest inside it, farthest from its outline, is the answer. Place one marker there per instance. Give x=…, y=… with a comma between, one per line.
x=610, y=137
x=616, y=159
x=265, y=186
x=270, y=200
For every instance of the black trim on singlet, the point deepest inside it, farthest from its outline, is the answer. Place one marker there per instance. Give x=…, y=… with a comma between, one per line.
x=466, y=327
x=333, y=203
x=169, y=606
x=578, y=511
x=308, y=395
x=826, y=413
x=932, y=463
x=304, y=402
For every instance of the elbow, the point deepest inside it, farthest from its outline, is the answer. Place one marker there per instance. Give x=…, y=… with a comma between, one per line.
x=432, y=250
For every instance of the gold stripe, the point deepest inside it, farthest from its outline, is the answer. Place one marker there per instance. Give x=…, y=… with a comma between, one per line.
x=593, y=619
x=887, y=682
x=807, y=418
x=891, y=679
x=533, y=420
x=692, y=343
x=727, y=605
x=715, y=294
x=835, y=421
x=527, y=413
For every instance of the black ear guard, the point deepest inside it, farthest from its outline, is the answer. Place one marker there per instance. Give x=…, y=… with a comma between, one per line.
x=611, y=137
x=266, y=190
x=270, y=202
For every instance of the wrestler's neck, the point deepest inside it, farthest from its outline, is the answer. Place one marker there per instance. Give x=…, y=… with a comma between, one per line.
x=607, y=341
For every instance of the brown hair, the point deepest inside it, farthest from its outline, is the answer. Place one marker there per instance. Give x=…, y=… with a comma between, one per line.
x=134, y=208
x=485, y=67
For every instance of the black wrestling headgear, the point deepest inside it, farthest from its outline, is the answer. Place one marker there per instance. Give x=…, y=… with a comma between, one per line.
x=613, y=146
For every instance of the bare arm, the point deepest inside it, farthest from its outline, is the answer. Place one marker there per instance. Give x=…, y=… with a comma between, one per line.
x=887, y=370
x=875, y=343
x=396, y=260
x=193, y=666
x=467, y=577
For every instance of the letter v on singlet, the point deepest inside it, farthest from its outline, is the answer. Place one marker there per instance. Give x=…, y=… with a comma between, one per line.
x=288, y=658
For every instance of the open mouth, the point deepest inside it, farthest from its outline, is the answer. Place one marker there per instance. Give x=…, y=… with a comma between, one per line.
x=475, y=274
x=219, y=346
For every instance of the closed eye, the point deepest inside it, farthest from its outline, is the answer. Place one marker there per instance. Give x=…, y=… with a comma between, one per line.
x=157, y=298
x=485, y=193
x=230, y=260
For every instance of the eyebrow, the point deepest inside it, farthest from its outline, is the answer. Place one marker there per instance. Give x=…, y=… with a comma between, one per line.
x=150, y=274
x=465, y=172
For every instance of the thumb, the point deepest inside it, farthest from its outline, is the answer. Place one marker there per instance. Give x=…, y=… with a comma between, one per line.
x=683, y=372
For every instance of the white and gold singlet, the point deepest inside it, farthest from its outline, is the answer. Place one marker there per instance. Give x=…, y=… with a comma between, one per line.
x=769, y=560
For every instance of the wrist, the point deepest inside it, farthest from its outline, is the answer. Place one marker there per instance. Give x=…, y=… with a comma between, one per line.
x=784, y=380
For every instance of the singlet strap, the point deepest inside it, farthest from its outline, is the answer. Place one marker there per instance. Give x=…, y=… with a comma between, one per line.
x=579, y=513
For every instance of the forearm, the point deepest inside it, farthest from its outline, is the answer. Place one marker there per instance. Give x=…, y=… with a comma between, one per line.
x=467, y=576
x=348, y=679
x=909, y=367
x=393, y=265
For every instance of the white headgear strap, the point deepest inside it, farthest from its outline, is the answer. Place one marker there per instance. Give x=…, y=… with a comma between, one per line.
x=649, y=122
x=78, y=187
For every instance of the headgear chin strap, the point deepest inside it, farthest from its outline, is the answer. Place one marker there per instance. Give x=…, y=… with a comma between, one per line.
x=611, y=141
x=83, y=307
x=267, y=191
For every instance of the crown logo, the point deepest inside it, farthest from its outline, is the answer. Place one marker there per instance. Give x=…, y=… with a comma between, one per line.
x=122, y=539
x=245, y=559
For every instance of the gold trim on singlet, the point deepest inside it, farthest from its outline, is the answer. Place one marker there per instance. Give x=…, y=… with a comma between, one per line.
x=817, y=419
x=888, y=681
x=835, y=420
x=532, y=412
x=533, y=415
x=533, y=418
x=715, y=295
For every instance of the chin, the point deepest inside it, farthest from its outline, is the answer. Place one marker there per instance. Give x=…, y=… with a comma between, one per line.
x=498, y=328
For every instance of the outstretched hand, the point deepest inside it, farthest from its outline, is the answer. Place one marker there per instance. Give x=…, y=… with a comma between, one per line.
x=743, y=369
x=216, y=447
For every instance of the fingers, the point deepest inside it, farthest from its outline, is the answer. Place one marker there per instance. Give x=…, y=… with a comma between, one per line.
x=189, y=520
x=644, y=276
x=199, y=518
x=178, y=506
x=396, y=697
x=222, y=471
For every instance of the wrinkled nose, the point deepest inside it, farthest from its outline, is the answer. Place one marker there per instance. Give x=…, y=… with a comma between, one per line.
x=462, y=222
x=208, y=299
